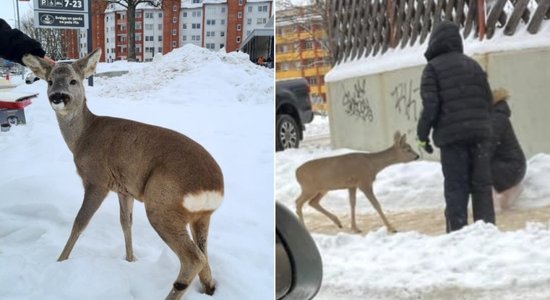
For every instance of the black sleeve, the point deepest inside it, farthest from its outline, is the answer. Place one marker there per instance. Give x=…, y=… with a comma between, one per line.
x=430, y=102
x=14, y=44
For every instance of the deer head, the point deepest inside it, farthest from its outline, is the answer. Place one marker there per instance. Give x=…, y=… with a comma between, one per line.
x=403, y=150
x=65, y=88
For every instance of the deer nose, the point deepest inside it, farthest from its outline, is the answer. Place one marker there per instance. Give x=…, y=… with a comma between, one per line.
x=57, y=98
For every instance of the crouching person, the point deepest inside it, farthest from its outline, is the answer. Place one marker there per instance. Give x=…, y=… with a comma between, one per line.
x=508, y=164
x=457, y=104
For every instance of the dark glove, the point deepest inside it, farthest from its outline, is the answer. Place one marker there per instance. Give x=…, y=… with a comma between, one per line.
x=426, y=146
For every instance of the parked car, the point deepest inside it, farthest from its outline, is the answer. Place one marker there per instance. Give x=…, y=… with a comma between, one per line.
x=293, y=111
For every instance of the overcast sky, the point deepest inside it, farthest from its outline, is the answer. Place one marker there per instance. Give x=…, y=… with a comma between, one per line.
x=8, y=10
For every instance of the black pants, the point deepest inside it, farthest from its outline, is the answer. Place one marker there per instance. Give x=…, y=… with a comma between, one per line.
x=467, y=170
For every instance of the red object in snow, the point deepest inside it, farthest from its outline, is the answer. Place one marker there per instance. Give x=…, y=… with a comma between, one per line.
x=11, y=100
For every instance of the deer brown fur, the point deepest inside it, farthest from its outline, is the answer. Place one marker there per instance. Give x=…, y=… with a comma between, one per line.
x=178, y=181
x=349, y=171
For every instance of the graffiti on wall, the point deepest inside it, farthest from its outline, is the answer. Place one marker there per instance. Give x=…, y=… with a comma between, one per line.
x=356, y=103
x=405, y=95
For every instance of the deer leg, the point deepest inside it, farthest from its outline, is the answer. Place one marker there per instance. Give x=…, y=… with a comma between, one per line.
x=370, y=195
x=126, y=207
x=93, y=197
x=199, y=229
x=302, y=199
x=315, y=203
x=352, y=202
x=171, y=226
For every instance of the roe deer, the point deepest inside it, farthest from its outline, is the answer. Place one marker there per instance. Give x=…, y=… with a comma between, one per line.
x=178, y=181
x=349, y=171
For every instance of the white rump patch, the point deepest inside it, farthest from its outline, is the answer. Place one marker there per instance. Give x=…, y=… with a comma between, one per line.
x=202, y=201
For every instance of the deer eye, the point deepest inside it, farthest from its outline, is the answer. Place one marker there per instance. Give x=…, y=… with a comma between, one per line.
x=50, y=82
x=73, y=82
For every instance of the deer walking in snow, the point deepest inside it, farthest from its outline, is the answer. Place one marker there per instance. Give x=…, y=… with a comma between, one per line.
x=178, y=181
x=349, y=171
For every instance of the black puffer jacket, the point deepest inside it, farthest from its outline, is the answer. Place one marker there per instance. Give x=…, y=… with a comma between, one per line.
x=14, y=44
x=508, y=164
x=456, y=96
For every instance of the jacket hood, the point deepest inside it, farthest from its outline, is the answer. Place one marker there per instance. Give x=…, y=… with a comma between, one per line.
x=445, y=38
x=500, y=105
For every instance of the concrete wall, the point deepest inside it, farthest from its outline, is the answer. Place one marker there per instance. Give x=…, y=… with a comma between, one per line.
x=365, y=111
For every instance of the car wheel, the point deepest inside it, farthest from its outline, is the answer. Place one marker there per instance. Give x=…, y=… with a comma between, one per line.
x=288, y=135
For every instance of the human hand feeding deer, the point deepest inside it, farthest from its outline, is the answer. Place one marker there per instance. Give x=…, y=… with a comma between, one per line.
x=349, y=171
x=178, y=181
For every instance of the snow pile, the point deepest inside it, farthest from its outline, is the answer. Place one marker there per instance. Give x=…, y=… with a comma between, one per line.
x=41, y=191
x=473, y=263
x=188, y=72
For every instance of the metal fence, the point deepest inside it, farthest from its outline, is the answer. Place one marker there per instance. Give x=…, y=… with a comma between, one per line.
x=362, y=28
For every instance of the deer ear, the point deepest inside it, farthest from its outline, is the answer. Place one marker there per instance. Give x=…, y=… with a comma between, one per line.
x=86, y=65
x=396, y=137
x=40, y=67
x=403, y=140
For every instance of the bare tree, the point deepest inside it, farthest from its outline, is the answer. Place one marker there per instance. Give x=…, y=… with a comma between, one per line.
x=131, y=6
x=312, y=18
x=48, y=37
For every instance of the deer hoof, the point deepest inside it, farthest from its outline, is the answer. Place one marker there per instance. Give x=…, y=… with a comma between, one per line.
x=392, y=230
x=210, y=290
x=356, y=230
x=131, y=258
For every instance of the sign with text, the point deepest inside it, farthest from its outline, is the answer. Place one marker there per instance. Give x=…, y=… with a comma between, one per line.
x=46, y=19
x=62, y=5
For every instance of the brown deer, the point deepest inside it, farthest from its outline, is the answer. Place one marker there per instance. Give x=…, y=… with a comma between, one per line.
x=178, y=181
x=349, y=171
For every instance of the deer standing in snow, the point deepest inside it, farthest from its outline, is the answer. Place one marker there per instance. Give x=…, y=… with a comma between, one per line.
x=349, y=171
x=178, y=181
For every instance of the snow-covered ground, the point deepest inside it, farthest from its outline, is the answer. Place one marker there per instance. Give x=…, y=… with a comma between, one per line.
x=222, y=101
x=478, y=262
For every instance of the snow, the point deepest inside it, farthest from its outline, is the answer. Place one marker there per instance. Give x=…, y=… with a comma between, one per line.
x=412, y=56
x=477, y=262
x=189, y=90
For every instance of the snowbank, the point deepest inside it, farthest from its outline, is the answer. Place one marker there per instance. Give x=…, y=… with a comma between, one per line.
x=189, y=91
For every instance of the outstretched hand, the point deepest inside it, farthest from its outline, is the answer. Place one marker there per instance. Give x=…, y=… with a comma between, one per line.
x=426, y=146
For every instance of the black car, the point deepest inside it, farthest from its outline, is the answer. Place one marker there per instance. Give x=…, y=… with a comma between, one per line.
x=293, y=111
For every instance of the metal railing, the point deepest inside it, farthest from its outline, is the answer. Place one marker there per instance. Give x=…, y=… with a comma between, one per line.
x=362, y=28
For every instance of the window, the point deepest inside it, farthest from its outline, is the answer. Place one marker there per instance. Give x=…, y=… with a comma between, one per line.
x=240, y=2
x=107, y=40
x=174, y=20
x=160, y=15
x=196, y=1
x=210, y=46
x=309, y=45
x=197, y=37
x=160, y=26
x=185, y=14
x=148, y=26
x=260, y=21
x=175, y=7
x=211, y=33
x=174, y=32
x=148, y=15
x=238, y=27
x=174, y=45
x=196, y=25
x=222, y=21
x=240, y=15
x=138, y=37
x=138, y=14
x=223, y=9
x=160, y=38
x=184, y=38
x=107, y=50
x=238, y=39
x=210, y=22
x=248, y=21
x=196, y=14
x=184, y=26
x=222, y=33
x=262, y=8
x=160, y=49
x=221, y=45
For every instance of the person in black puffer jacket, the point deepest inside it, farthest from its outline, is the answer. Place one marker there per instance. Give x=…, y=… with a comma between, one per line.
x=457, y=104
x=14, y=44
x=508, y=163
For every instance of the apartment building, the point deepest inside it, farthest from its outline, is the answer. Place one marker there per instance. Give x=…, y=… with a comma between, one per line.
x=300, y=36
x=212, y=24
